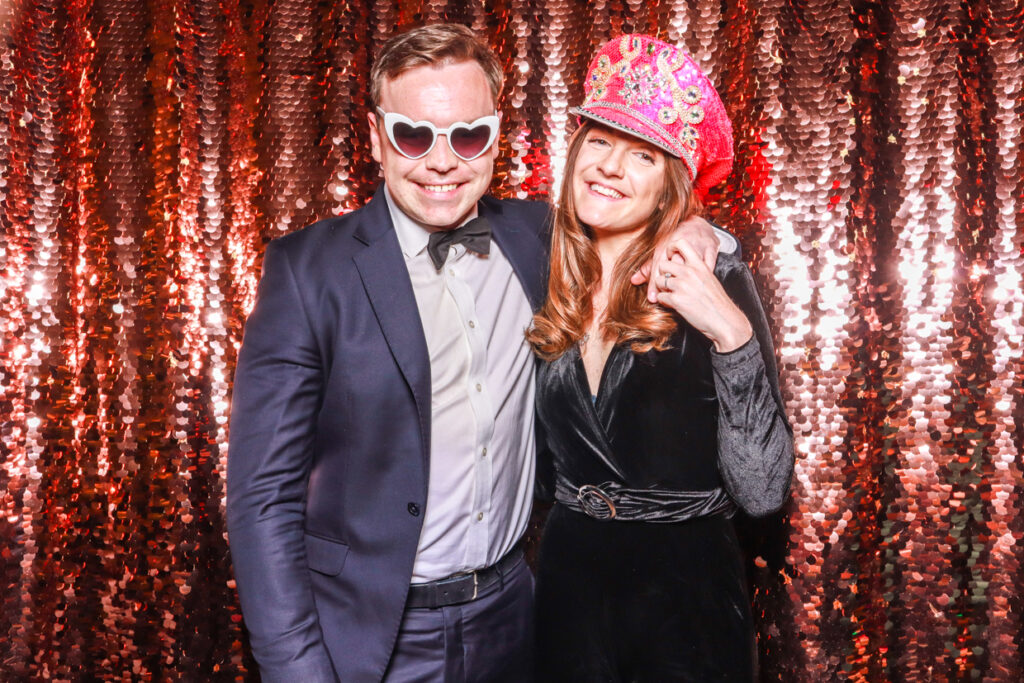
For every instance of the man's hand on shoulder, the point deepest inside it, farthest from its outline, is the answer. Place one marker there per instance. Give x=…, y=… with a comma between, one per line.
x=703, y=237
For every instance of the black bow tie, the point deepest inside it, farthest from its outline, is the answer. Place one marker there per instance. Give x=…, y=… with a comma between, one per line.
x=476, y=235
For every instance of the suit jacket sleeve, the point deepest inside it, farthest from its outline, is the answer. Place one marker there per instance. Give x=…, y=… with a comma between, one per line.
x=755, y=440
x=277, y=394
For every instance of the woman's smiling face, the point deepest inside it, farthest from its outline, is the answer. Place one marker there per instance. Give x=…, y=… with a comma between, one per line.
x=617, y=181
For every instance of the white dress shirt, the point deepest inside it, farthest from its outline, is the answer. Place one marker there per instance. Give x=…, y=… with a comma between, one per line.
x=474, y=314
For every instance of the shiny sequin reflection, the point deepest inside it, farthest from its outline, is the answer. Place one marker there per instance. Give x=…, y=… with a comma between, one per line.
x=148, y=151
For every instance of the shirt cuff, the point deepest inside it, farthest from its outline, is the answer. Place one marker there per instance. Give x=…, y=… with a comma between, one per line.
x=727, y=244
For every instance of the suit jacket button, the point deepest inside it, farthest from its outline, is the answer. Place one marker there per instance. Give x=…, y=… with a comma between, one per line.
x=414, y=509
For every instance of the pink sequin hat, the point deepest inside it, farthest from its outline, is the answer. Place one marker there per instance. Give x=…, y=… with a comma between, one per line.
x=648, y=88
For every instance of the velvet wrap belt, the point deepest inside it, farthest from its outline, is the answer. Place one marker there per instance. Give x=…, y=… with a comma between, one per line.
x=611, y=500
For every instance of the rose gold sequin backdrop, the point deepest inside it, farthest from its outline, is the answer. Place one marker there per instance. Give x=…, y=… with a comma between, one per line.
x=148, y=151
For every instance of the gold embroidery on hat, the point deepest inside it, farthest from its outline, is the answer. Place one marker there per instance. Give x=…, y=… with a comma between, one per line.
x=629, y=47
x=684, y=100
x=688, y=136
x=596, y=85
x=674, y=59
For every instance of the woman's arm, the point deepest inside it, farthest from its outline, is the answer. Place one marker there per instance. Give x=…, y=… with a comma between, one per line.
x=755, y=440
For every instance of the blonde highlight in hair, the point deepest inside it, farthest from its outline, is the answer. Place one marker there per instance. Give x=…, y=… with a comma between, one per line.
x=576, y=270
x=434, y=45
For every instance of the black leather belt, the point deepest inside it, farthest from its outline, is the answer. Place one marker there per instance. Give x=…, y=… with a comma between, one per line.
x=464, y=587
x=612, y=501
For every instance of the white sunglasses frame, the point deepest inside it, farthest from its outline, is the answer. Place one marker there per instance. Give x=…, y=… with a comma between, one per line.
x=492, y=121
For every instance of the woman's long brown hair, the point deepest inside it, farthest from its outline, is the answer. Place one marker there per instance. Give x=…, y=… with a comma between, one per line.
x=576, y=270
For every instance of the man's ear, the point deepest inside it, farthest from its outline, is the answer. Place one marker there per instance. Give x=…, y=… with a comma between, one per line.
x=375, y=141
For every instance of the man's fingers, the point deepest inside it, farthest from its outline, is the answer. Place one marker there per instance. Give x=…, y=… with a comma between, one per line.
x=683, y=252
x=674, y=249
x=640, y=276
x=672, y=268
x=656, y=261
x=653, y=286
x=688, y=253
x=711, y=258
x=652, y=290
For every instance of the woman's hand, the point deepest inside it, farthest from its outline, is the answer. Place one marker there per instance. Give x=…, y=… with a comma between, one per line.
x=685, y=283
x=701, y=236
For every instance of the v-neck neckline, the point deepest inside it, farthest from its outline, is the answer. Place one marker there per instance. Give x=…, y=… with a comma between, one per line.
x=597, y=400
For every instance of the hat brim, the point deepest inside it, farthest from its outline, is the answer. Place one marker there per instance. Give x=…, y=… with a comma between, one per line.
x=629, y=123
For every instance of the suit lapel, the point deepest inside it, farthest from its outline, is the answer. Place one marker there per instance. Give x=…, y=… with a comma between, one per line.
x=385, y=278
x=522, y=247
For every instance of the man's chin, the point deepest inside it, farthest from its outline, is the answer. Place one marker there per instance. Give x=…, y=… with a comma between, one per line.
x=443, y=218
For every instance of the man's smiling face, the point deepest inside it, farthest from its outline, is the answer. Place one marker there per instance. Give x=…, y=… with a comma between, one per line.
x=439, y=190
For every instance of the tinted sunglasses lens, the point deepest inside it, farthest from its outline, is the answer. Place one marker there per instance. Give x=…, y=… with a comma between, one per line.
x=470, y=142
x=412, y=141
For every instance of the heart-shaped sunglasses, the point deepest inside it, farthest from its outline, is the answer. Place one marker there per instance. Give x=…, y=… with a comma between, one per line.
x=415, y=139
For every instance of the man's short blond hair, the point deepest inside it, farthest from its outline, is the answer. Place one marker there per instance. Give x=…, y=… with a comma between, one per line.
x=433, y=45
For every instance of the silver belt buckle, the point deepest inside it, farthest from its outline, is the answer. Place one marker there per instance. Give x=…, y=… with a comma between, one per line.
x=595, y=502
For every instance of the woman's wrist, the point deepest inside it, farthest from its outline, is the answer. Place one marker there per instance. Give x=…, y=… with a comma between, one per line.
x=732, y=336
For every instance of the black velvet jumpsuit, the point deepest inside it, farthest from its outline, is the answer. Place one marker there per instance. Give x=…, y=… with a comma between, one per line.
x=659, y=601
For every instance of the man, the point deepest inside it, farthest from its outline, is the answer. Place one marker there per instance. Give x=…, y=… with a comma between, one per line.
x=382, y=436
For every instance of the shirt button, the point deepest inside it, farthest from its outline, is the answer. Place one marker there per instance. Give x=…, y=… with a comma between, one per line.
x=479, y=387
x=413, y=509
x=451, y=271
x=484, y=452
x=479, y=516
x=472, y=324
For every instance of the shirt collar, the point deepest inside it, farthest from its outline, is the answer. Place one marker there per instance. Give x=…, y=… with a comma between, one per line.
x=412, y=237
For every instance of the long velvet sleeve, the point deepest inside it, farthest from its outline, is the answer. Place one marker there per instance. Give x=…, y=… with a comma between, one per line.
x=277, y=392
x=755, y=440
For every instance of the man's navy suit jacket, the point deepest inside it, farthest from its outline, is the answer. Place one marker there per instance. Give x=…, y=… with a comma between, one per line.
x=330, y=431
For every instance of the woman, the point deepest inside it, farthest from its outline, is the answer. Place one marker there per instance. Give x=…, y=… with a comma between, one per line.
x=663, y=417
